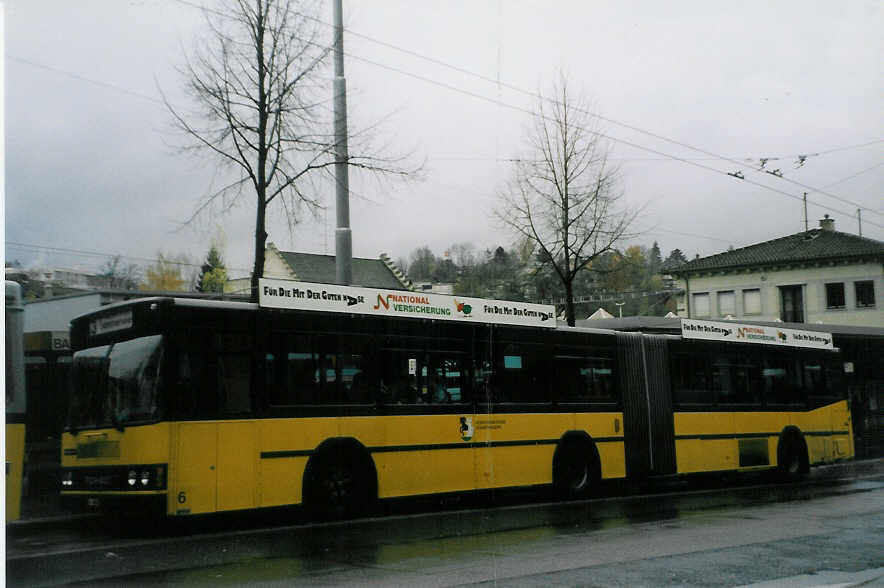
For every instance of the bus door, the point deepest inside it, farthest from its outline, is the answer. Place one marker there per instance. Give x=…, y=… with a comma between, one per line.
x=217, y=451
x=196, y=478
x=216, y=467
x=647, y=404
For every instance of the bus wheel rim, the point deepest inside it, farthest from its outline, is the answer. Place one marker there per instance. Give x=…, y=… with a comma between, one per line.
x=338, y=484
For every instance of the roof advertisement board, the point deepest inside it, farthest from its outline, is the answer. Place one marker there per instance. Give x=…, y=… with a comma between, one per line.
x=764, y=335
x=399, y=303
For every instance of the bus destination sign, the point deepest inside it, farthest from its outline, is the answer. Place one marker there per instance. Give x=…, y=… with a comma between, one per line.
x=109, y=323
x=401, y=303
x=765, y=335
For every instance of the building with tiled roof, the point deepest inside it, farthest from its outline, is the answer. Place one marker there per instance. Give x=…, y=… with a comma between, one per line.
x=320, y=269
x=817, y=276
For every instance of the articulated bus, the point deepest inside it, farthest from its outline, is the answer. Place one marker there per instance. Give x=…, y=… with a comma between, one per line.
x=16, y=403
x=334, y=397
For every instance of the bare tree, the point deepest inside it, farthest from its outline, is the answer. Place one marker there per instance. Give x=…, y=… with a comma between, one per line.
x=261, y=93
x=564, y=195
x=120, y=275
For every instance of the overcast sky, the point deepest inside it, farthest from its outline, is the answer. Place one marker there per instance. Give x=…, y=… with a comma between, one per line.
x=91, y=164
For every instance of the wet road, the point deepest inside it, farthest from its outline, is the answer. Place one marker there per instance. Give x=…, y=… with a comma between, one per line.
x=694, y=538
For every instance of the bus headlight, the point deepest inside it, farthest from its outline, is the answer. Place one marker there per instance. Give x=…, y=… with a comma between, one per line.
x=153, y=478
x=67, y=480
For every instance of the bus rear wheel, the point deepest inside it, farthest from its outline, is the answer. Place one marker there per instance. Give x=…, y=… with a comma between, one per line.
x=792, y=461
x=576, y=469
x=340, y=484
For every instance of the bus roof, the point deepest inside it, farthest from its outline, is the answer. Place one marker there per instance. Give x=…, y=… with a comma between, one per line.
x=647, y=325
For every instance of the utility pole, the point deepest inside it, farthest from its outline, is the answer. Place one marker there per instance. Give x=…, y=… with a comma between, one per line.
x=859, y=219
x=805, y=212
x=343, y=236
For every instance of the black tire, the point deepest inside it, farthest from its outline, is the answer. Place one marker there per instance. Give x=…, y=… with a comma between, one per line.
x=792, y=461
x=576, y=469
x=340, y=484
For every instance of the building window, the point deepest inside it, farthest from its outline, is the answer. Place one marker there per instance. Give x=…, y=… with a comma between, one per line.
x=701, y=304
x=865, y=293
x=727, y=303
x=792, y=298
x=752, y=301
x=835, y=295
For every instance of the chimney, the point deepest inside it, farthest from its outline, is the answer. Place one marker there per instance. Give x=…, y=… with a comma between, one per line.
x=827, y=224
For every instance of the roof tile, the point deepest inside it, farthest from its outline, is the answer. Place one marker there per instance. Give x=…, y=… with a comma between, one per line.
x=320, y=269
x=811, y=246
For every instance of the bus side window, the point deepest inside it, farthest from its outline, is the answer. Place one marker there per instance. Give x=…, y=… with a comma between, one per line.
x=482, y=380
x=235, y=382
x=443, y=379
x=584, y=378
x=509, y=376
x=452, y=372
x=822, y=381
x=782, y=381
x=302, y=384
x=691, y=382
x=354, y=385
x=523, y=374
x=722, y=384
x=603, y=386
x=736, y=379
x=570, y=383
x=399, y=376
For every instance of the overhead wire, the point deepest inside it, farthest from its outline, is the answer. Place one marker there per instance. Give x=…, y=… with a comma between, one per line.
x=499, y=83
x=850, y=177
x=84, y=78
x=87, y=253
x=596, y=133
x=665, y=156
x=450, y=87
x=714, y=156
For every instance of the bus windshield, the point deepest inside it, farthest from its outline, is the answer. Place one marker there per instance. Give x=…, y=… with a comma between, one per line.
x=118, y=384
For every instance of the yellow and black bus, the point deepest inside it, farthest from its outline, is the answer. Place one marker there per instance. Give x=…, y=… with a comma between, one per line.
x=334, y=397
x=16, y=402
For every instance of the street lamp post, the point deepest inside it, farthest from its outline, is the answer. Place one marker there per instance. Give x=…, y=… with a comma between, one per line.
x=343, y=237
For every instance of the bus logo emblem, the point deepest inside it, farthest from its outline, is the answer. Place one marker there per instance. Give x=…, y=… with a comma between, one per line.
x=466, y=428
